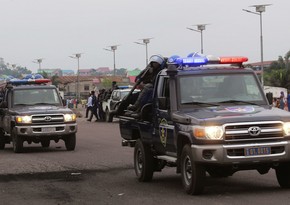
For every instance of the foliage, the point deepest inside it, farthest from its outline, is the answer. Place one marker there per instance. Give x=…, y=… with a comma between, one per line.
x=17, y=71
x=278, y=73
x=107, y=83
x=55, y=80
x=44, y=74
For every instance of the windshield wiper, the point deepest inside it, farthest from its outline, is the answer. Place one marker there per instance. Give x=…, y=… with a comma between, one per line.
x=199, y=103
x=20, y=104
x=238, y=101
x=43, y=104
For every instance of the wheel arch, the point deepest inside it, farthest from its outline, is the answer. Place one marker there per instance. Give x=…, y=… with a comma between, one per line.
x=182, y=139
x=136, y=134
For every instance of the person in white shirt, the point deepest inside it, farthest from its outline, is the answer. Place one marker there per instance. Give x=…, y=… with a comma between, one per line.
x=89, y=105
x=94, y=106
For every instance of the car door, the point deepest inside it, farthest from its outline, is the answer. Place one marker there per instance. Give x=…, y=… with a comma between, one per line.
x=164, y=126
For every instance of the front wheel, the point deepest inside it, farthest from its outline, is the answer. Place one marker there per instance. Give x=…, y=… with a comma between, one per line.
x=2, y=140
x=143, y=162
x=70, y=142
x=192, y=174
x=282, y=174
x=17, y=141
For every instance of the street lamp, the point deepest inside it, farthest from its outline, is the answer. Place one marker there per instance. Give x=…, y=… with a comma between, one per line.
x=13, y=66
x=200, y=29
x=259, y=10
x=113, y=49
x=77, y=56
x=38, y=61
x=145, y=43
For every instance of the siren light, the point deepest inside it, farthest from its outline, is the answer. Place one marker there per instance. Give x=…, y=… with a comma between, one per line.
x=195, y=60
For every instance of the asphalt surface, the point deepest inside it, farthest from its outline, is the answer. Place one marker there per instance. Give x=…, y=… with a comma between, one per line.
x=100, y=171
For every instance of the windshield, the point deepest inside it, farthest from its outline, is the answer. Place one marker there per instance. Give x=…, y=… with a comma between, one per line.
x=220, y=89
x=36, y=97
x=123, y=94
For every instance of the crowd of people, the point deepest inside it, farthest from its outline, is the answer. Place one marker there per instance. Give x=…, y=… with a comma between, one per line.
x=94, y=103
x=283, y=102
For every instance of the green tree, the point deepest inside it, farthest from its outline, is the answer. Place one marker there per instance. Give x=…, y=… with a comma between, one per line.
x=44, y=74
x=278, y=74
x=107, y=83
x=55, y=80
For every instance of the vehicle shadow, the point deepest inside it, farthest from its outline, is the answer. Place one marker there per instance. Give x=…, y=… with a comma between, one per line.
x=37, y=148
x=244, y=183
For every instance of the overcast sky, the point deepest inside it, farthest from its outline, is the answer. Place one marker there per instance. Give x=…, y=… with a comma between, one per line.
x=55, y=29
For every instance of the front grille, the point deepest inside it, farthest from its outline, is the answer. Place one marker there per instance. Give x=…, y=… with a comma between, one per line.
x=240, y=131
x=47, y=119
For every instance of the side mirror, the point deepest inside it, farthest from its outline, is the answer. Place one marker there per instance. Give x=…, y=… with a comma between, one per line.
x=64, y=102
x=270, y=98
x=163, y=103
x=3, y=104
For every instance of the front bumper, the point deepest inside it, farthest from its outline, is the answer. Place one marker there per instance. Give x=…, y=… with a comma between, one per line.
x=235, y=154
x=47, y=130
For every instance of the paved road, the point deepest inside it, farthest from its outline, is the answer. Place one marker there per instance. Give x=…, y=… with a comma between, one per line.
x=100, y=171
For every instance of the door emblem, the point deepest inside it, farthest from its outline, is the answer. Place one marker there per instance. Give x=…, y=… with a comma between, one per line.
x=163, y=132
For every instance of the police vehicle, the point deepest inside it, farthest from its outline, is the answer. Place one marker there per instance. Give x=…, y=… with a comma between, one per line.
x=32, y=111
x=208, y=115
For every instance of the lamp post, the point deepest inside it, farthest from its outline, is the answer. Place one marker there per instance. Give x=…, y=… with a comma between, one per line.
x=38, y=61
x=200, y=29
x=77, y=56
x=145, y=43
x=259, y=10
x=113, y=49
x=13, y=66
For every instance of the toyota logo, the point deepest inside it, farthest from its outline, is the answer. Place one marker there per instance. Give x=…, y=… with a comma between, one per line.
x=47, y=118
x=254, y=131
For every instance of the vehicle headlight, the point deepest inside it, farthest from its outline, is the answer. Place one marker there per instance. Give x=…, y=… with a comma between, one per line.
x=209, y=132
x=70, y=117
x=23, y=119
x=286, y=128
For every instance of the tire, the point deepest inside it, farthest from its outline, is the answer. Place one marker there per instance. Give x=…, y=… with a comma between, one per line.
x=70, y=142
x=143, y=162
x=282, y=174
x=2, y=140
x=192, y=174
x=45, y=143
x=17, y=141
x=109, y=117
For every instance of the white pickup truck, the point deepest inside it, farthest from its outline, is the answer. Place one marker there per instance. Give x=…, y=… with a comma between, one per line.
x=111, y=105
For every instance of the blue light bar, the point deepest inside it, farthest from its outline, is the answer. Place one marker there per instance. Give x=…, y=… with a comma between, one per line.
x=16, y=81
x=195, y=60
x=123, y=86
x=189, y=61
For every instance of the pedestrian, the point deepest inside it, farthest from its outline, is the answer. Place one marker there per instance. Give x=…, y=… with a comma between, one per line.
x=95, y=105
x=89, y=105
x=288, y=101
x=282, y=100
x=114, y=85
x=101, y=98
